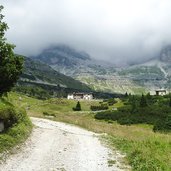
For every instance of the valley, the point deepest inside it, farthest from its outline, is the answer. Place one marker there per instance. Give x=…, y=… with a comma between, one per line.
x=85, y=85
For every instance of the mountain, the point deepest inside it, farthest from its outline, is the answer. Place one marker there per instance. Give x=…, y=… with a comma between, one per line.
x=70, y=62
x=153, y=74
x=41, y=73
x=165, y=55
x=99, y=75
x=105, y=77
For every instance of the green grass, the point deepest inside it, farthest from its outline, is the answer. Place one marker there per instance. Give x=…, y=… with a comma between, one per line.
x=37, y=107
x=145, y=150
x=150, y=154
x=18, y=132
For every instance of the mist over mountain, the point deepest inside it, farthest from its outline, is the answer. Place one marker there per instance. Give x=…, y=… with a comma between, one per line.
x=113, y=46
x=141, y=77
x=71, y=62
x=120, y=32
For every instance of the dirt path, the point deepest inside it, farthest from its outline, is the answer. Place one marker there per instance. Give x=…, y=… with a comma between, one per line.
x=57, y=146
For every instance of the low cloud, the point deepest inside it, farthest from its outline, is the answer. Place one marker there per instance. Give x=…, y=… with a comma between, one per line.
x=119, y=31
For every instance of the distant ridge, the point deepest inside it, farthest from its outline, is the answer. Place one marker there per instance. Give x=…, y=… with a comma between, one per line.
x=39, y=72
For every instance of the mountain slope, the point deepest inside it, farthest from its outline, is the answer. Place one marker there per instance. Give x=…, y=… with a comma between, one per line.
x=71, y=62
x=99, y=75
x=153, y=74
x=39, y=72
x=102, y=76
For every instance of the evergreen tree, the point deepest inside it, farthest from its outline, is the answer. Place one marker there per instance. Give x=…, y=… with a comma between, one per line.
x=78, y=107
x=126, y=94
x=170, y=101
x=143, y=101
x=133, y=104
x=149, y=98
x=10, y=64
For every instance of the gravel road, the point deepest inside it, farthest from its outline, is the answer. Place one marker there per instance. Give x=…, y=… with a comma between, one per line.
x=55, y=146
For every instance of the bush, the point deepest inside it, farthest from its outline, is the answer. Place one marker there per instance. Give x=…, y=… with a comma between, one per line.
x=163, y=125
x=136, y=111
x=158, y=116
x=111, y=102
x=48, y=114
x=100, y=107
x=15, y=135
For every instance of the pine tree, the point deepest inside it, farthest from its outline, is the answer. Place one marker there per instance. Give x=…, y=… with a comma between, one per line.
x=143, y=101
x=149, y=98
x=10, y=64
x=170, y=101
x=78, y=107
x=126, y=94
x=133, y=104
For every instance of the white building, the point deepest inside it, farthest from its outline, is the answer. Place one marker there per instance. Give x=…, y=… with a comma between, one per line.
x=70, y=96
x=161, y=92
x=80, y=96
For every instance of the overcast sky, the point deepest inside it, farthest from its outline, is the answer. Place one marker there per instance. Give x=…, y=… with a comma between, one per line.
x=116, y=30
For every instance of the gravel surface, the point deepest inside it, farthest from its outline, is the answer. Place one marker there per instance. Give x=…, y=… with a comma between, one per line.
x=55, y=146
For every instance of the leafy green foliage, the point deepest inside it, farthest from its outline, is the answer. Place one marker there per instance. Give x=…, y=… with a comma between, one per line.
x=10, y=65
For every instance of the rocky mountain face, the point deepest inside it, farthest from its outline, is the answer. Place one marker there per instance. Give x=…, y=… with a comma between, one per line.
x=153, y=74
x=165, y=55
x=63, y=59
x=102, y=76
x=71, y=62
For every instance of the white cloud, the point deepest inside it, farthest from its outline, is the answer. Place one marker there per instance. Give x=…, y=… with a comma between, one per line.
x=112, y=29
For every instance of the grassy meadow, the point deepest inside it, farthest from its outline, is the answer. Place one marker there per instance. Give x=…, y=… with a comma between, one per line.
x=145, y=149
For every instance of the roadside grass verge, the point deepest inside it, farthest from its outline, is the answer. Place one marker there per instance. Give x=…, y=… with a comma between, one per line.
x=18, y=131
x=145, y=150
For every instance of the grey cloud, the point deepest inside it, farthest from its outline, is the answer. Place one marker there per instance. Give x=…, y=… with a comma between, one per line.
x=116, y=30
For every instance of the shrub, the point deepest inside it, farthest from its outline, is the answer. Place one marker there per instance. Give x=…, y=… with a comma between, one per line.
x=48, y=114
x=100, y=107
x=163, y=125
x=111, y=101
x=18, y=130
